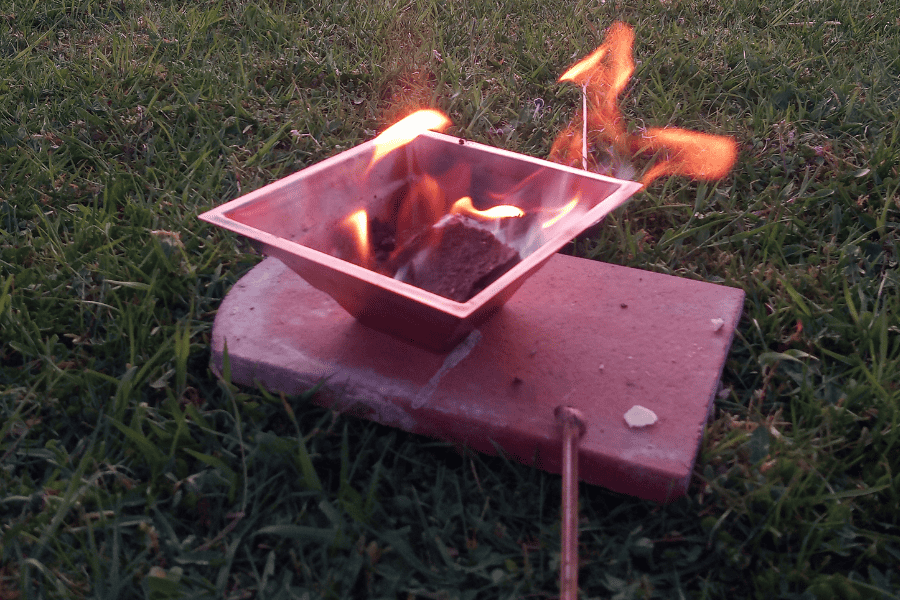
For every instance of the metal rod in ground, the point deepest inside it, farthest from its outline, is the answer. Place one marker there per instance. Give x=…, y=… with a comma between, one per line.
x=572, y=429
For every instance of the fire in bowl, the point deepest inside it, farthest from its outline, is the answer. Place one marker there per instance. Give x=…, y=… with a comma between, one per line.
x=423, y=240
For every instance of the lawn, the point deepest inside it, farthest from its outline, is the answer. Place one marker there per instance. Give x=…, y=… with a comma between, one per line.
x=127, y=470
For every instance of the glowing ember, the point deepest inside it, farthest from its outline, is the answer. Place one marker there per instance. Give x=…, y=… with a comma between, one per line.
x=603, y=76
x=464, y=206
x=404, y=131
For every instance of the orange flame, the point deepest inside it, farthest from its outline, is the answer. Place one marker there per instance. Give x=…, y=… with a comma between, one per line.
x=502, y=211
x=580, y=72
x=406, y=130
x=358, y=222
x=697, y=155
x=562, y=212
x=604, y=75
x=423, y=205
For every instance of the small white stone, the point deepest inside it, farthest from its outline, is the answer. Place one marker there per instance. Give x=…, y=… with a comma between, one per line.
x=717, y=324
x=638, y=416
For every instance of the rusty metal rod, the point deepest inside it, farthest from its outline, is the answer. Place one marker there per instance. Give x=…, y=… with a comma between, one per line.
x=573, y=428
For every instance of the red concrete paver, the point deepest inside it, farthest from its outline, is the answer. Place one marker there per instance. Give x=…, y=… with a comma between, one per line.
x=598, y=337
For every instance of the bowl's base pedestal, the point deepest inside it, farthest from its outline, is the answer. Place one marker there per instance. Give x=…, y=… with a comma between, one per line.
x=598, y=337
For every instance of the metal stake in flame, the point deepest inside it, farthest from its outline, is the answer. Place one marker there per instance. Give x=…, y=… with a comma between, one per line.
x=603, y=75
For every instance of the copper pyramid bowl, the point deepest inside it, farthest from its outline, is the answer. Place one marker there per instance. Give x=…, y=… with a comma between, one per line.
x=302, y=220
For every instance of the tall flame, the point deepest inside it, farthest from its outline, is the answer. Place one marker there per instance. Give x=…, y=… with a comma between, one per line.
x=603, y=75
x=406, y=130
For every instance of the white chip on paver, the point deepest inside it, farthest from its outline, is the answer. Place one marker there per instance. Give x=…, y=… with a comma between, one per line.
x=638, y=416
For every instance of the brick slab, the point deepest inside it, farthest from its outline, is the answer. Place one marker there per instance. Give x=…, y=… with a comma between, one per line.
x=598, y=337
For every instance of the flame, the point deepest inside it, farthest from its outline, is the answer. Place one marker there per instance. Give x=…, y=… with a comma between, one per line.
x=603, y=75
x=580, y=72
x=358, y=222
x=423, y=205
x=566, y=147
x=406, y=130
x=502, y=211
x=698, y=155
x=562, y=212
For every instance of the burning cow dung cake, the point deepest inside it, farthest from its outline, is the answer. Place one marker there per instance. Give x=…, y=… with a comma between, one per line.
x=455, y=259
x=456, y=256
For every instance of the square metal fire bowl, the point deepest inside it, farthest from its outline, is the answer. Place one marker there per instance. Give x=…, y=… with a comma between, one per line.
x=301, y=219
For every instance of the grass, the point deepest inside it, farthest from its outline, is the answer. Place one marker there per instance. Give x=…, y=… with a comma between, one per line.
x=127, y=470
